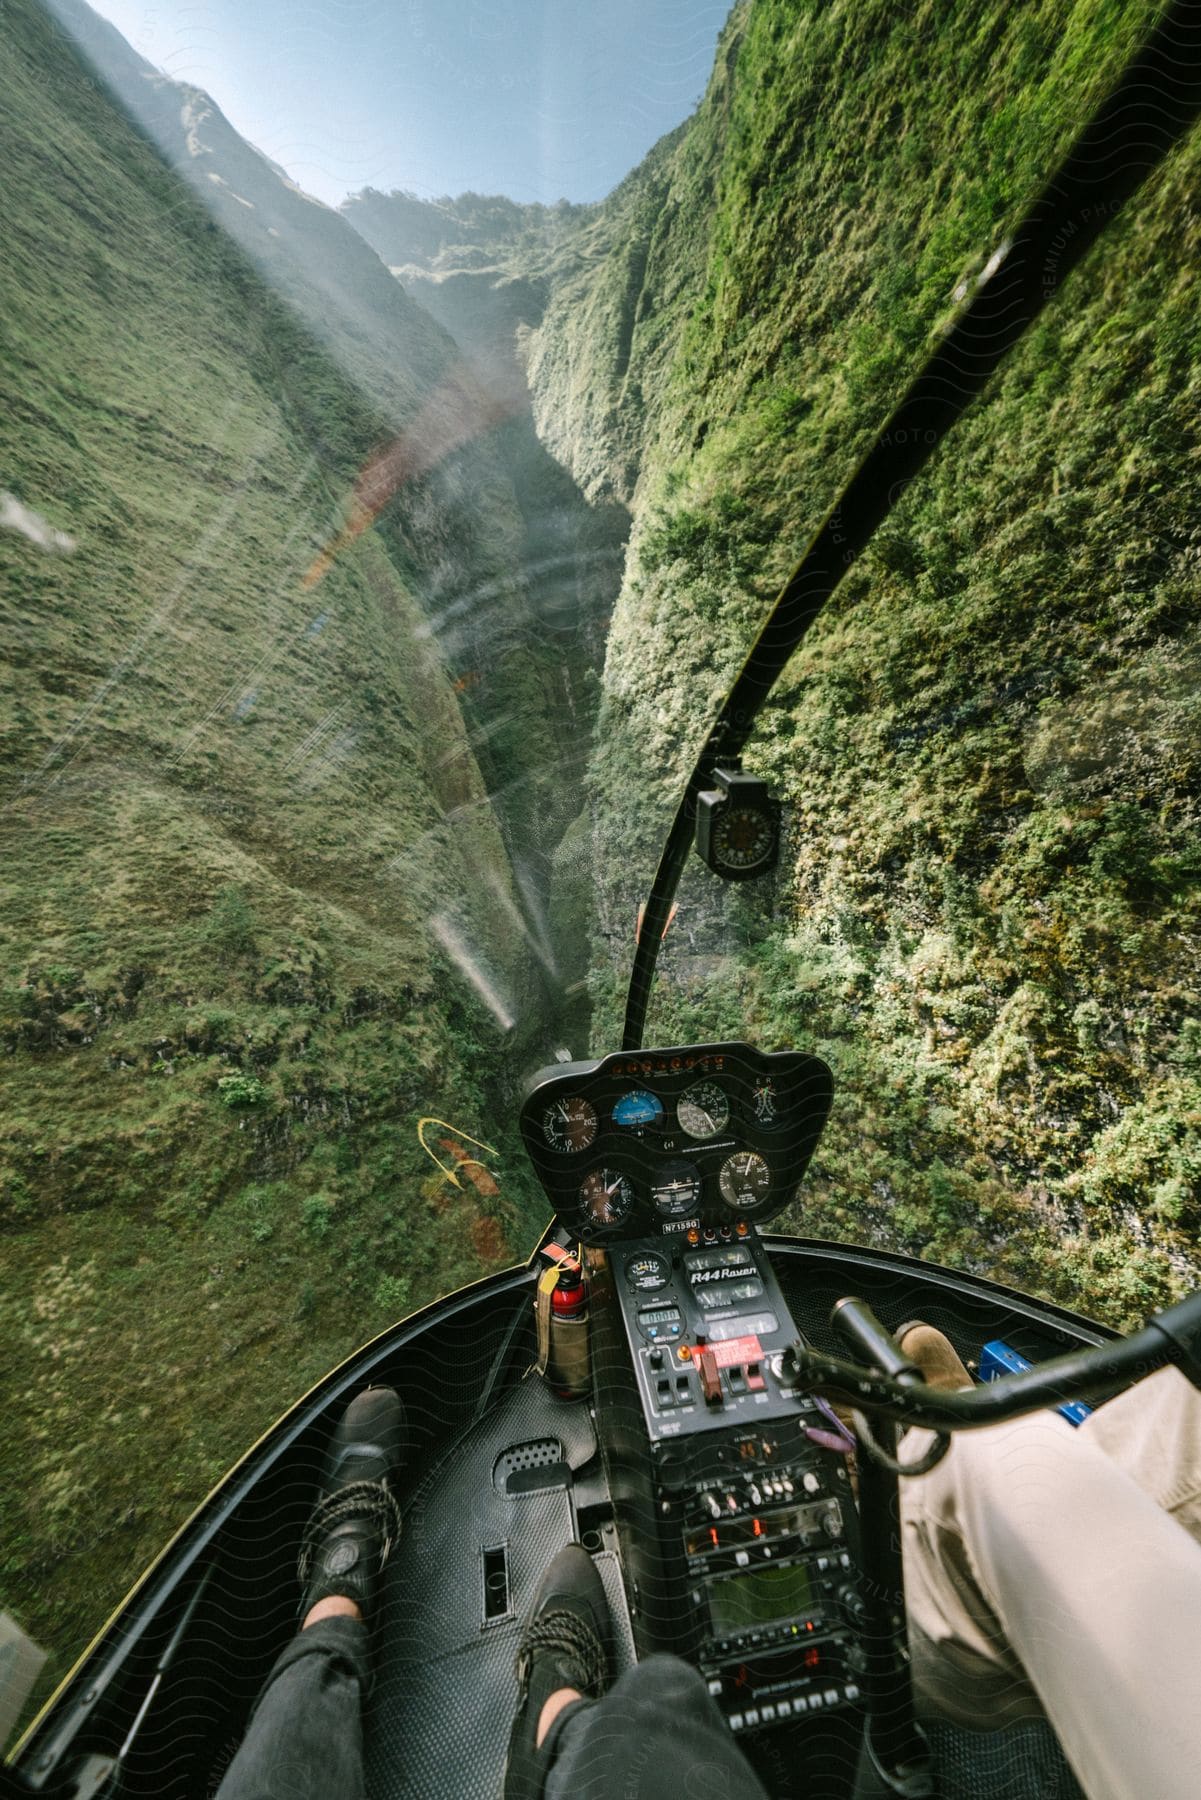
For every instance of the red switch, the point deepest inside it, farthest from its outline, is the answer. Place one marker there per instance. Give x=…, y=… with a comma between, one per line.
x=710, y=1378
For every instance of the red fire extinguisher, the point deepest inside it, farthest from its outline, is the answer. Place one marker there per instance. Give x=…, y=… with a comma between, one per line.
x=562, y=1314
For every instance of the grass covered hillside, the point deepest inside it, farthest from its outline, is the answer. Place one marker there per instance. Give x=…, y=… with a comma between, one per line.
x=246, y=855
x=988, y=914
x=513, y=567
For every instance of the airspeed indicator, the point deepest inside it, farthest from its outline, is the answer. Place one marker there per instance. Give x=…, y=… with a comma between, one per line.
x=569, y=1124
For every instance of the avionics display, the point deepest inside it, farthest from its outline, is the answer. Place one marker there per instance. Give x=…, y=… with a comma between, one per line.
x=759, y=1597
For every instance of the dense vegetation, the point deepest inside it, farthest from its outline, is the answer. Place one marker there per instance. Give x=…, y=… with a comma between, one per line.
x=247, y=742
x=988, y=914
x=245, y=834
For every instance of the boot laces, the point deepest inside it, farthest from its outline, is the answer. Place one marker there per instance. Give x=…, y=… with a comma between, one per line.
x=572, y=1637
x=372, y=1501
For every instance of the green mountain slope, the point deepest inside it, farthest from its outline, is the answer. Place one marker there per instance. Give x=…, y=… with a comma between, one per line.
x=249, y=865
x=987, y=917
x=514, y=568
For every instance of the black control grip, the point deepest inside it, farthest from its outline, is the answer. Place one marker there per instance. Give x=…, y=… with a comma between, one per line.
x=1181, y=1326
x=857, y=1324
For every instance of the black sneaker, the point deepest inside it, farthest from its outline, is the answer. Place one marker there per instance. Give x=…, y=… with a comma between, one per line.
x=356, y=1519
x=565, y=1644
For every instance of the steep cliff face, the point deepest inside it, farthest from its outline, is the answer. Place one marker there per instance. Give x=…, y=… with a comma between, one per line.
x=486, y=268
x=989, y=745
x=262, y=911
x=513, y=569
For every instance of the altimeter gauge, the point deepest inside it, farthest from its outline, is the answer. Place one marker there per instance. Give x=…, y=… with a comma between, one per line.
x=606, y=1197
x=744, y=1181
x=569, y=1124
x=703, y=1110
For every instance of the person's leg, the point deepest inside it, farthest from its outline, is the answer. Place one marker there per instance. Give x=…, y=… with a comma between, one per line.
x=304, y=1740
x=1153, y=1431
x=656, y=1735
x=1034, y=1565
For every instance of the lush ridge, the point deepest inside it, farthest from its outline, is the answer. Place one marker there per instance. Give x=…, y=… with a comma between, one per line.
x=245, y=833
x=311, y=827
x=987, y=917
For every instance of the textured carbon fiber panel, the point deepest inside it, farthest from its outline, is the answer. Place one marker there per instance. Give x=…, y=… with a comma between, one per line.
x=438, y=1724
x=1016, y=1764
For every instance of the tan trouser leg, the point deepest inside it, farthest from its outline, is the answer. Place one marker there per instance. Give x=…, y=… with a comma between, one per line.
x=1153, y=1431
x=1036, y=1566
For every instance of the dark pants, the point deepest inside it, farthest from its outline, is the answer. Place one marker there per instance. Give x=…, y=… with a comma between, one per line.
x=656, y=1735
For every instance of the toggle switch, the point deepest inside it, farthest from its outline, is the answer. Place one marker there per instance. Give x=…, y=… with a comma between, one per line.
x=710, y=1378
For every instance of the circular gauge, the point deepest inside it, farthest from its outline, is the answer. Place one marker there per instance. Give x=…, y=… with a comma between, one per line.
x=606, y=1197
x=647, y=1274
x=638, y=1111
x=744, y=1180
x=743, y=837
x=703, y=1110
x=676, y=1190
x=569, y=1124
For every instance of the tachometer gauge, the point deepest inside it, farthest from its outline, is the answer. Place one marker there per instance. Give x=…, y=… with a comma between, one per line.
x=744, y=1180
x=569, y=1124
x=638, y=1111
x=606, y=1197
x=703, y=1110
x=676, y=1190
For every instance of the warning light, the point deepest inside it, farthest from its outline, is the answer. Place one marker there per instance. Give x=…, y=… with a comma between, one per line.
x=812, y=1658
x=685, y=1353
x=757, y=1527
x=713, y=1537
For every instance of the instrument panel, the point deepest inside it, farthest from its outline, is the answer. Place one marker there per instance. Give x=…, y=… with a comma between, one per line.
x=700, y=1137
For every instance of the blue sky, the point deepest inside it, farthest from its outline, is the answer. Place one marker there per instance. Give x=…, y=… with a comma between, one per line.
x=536, y=99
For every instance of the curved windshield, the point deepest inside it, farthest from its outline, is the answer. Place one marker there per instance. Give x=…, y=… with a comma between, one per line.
x=408, y=419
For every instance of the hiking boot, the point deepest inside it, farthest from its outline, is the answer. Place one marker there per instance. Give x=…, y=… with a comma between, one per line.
x=564, y=1644
x=934, y=1354
x=356, y=1519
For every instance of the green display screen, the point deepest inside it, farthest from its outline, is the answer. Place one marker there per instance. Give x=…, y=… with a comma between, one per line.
x=759, y=1596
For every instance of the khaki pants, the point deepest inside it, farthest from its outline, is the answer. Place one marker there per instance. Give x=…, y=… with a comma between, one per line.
x=1059, y=1570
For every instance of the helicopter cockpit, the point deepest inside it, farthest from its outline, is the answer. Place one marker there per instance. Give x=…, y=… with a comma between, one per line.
x=728, y=1502
x=665, y=1381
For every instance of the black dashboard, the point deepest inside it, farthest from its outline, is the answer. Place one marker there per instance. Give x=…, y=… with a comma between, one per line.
x=700, y=1139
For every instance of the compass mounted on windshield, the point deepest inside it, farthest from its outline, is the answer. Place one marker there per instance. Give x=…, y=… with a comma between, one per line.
x=737, y=825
